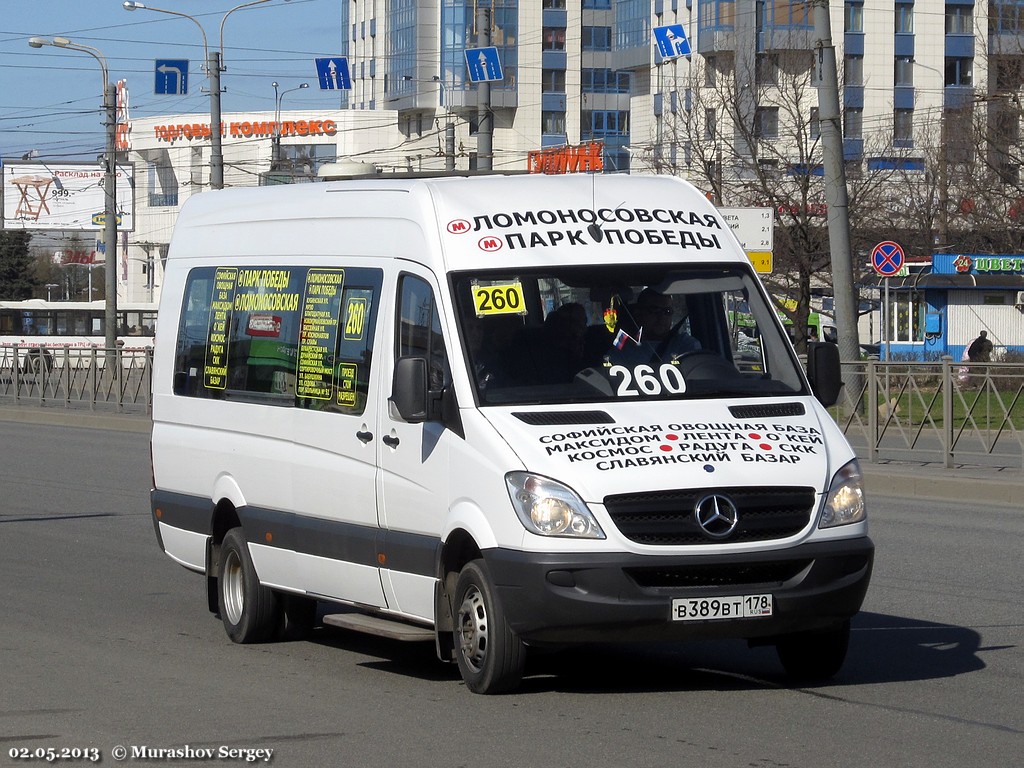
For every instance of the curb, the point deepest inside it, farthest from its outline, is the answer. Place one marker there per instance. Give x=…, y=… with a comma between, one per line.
x=966, y=485
x=65, y=417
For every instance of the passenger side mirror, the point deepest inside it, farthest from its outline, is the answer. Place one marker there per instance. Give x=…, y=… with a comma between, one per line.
x=409, y=389
x=824, y=372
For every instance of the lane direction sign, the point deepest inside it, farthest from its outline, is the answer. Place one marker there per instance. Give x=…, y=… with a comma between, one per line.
x=333, y=74
x=171, y=77
x=484, y=65
x=671, y=41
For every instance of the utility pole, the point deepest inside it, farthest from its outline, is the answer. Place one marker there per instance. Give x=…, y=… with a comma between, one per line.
x=485, y=119
x=836, y=196
x=109, y=219
x=216, y=151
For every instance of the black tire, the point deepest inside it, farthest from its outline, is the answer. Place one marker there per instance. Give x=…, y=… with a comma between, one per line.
x=810, y=657
x=490, y=655
x=251, y=612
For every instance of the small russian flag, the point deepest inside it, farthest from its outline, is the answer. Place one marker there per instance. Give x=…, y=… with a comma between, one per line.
x=621, y=338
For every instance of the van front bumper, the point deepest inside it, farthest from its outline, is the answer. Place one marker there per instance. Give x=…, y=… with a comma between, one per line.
x=560, y=598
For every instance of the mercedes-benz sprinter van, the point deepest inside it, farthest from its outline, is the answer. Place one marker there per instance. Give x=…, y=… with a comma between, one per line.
x=498, y=412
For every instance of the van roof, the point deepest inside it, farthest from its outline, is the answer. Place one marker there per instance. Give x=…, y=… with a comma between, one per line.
x=463, y=221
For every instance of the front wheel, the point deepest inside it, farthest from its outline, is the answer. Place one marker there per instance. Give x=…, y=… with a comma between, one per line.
x=490, y=655
x=250, y=611
x=814, y=656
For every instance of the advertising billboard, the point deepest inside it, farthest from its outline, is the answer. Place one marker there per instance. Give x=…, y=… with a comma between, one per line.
x=64, y=196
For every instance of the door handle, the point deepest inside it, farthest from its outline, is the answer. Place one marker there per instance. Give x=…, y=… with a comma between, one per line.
x=364, y=436
x=391, y=442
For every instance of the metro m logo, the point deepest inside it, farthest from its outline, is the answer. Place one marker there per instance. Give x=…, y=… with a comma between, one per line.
x=458, y=226
x=490, y=244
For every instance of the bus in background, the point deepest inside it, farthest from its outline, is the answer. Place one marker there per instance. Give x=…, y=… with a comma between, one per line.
x=47, y=333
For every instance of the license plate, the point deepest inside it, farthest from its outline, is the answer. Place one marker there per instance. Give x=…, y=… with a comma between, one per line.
x=721, y=608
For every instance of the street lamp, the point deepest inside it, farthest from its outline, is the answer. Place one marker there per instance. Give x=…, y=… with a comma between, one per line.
x=109, y=181
x=278, y=98
x=214, y=66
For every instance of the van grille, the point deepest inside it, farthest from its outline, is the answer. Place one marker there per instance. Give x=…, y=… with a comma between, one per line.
x=719, y=575
x=563, y=418
x=767, y=411
x=667, y=518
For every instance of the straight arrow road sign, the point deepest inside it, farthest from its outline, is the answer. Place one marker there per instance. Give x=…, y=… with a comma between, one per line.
x=484, y=65
x=333, y=74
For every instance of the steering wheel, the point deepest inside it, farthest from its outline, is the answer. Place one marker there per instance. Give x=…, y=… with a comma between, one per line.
x=703, y=364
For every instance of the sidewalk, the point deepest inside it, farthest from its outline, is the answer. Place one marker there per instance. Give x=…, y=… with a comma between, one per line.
x=928, y=480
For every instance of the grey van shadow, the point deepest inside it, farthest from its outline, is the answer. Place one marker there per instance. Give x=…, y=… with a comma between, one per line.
x=883, y=649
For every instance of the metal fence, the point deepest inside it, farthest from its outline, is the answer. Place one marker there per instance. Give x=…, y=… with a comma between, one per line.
x=944, y=412
x=75, y=377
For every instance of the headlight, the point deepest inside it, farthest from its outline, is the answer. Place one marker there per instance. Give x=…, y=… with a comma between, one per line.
x=845, y=502
x=548, y=508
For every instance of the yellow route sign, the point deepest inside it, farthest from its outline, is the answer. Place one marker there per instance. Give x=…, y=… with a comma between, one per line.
x=762, y=261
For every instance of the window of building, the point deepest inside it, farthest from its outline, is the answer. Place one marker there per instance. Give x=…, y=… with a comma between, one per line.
x=790, y=13
x=853, y=123
x=710, y=125
x=853, y=70
x=767, y=67
x=718, y=14
x=601, y=80
x=552, y=81
x=904, y=70
x=903, y=128
x=906, y=312
x=595, y=38
x=244, y=335
x=552, y=123
x=853, y=20
x=904, y=18
x=959, y=20
x=766, y=123
x=557, y=5
x=596, y=123
x=814, y=124
x=553, y=39
x=959, y=71
x=597, y=5
x=710, y=71
x=1008, y=16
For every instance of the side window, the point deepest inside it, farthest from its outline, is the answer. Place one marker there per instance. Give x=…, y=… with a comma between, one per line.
x=419, y=329
x=286, y=336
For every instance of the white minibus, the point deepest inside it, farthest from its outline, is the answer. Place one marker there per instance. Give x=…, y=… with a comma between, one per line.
x=498, y=412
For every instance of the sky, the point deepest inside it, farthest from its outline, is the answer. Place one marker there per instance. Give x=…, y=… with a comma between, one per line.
x=51, y=99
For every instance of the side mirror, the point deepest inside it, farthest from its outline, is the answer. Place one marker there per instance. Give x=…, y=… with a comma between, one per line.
x=824, y=371
x=409, y=389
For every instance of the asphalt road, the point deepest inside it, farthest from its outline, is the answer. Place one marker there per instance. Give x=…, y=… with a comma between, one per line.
x=106, y=643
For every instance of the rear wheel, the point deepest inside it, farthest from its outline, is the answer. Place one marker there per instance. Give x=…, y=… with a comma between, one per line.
x=490, y=655
x=250, y=611
x=814, y=656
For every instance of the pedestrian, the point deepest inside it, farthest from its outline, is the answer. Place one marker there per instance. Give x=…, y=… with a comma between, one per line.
x=980, y=350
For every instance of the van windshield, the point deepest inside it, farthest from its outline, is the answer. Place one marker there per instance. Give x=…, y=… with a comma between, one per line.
x=566, y=335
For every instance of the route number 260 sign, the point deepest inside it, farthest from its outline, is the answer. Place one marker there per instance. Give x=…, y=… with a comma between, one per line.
x=500, y=299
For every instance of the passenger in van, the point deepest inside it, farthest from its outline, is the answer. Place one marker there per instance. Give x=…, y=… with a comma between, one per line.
x=553, y=354
x=489, y=341
x=656, y=337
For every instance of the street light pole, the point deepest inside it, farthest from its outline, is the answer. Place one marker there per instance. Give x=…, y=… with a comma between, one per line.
x=214, y=66
x=278, y=98
x=109, y=182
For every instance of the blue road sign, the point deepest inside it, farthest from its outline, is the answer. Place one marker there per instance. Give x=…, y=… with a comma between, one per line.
x=484, y=65
x=171, y=77
x=671, y=41
x=333, y=74
x=887, y=258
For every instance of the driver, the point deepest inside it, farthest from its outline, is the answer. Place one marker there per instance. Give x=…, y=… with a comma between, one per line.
x=660, y=340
